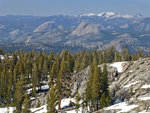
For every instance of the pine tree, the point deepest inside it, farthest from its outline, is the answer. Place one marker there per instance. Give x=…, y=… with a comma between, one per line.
x=105, y=81
x=18, y=96
x=96, y=83
x=77, y=100
x=39, y=103
x=77, y=62
x=117, y=57
x=51, y=60
x=1, y=51
x=149, y=53
x=52, y=100
x=88, y=90
x=55, y=70
x=84, y=62
x=103, y=101
x=45, y=69
x=26, y=104
x=9, y=86
x=140, y=53
x=84, y=101
x=63, y=78
x=126, y=54
x=35, y=79
x=108, y=101
x=96, y=86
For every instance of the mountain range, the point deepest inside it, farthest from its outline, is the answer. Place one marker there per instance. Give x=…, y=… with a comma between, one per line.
x=87, y=30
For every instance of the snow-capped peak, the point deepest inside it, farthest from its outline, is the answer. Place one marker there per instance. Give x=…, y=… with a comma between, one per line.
x=114, y=15
x=109, y=15
x=89, y=14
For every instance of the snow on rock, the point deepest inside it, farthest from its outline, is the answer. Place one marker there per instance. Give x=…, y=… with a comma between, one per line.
x=42, y=109
x=144, y=98
x=117, y=65
x=74, y=111
x=122, y=107
x=144, y=111
x=2, y=57
x=145, y=86
x=131, y=71
x=133, y=83
x=45, y=87
x=29, y=90
x=7, y=110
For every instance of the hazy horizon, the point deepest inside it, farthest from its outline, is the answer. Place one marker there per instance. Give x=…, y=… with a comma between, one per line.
x=73, y=7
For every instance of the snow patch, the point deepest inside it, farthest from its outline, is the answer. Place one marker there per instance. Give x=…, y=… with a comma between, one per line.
x=114, y=15
x=45, y=87
x=123, y=107
x=145, y=86
x=65, y=102
x=144, y=98
x=133, y=83
x=7, y=110
x=118, y=65
x=2, y=57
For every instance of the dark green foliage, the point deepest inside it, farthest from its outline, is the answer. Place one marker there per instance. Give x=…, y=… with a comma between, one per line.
x=96, y=83
x=97, y=87
x=26, y=104
x=103, y=101
x=18, y=97
x=1, y=51
x=126, y=56
x=63, y=78
x=52, y=100
x=77, y=100
x=105, y=81
x=140, y=54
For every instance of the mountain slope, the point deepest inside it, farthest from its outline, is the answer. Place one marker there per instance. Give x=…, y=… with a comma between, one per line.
x=89, y=30
x=84, y=28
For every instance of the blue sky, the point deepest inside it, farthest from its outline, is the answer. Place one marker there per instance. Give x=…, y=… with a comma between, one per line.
x=71, y=7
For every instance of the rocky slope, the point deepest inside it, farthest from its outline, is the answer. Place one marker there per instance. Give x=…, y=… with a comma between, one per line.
x=129, y=85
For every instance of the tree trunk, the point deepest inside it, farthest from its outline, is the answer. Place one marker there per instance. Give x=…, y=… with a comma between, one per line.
x=59, y=105
x=95, y=106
